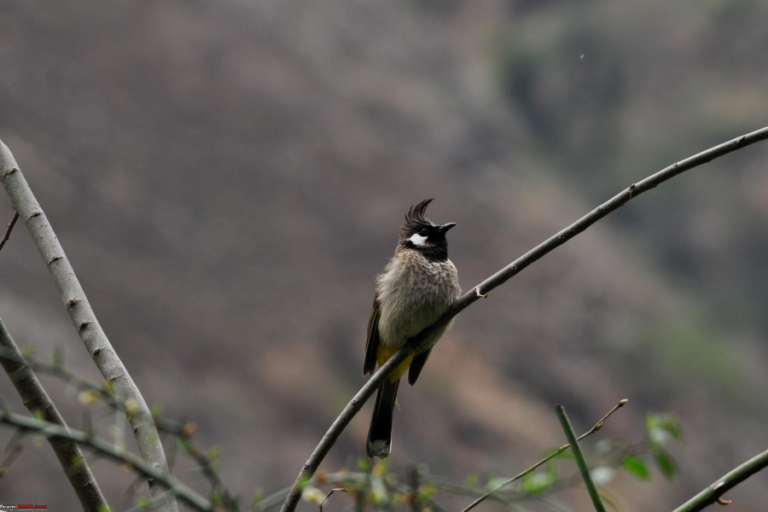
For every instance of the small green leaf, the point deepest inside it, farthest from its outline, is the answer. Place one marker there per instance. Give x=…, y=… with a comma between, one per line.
x=665, y=463
x=364, y=465
x=636, y=467
x=537, y=482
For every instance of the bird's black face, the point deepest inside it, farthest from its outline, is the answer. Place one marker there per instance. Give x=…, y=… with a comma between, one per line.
x=421, y=235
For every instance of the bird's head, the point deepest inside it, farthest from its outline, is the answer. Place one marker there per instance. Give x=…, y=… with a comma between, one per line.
x=420, y=234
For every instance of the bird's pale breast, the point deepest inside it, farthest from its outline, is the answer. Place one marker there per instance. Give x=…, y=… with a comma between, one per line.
x=413, y=293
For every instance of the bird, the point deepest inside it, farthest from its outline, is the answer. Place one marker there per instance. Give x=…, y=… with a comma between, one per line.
x=416, y=288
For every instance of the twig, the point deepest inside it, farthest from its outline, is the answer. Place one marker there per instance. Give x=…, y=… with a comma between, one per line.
x=580, y=460
x=329, y=495
x=413, y=483
x=546, y=459
x=35, y=398
x=83, y=317
x=725, y=483
x=10, y=228
x=13, y=450
x=500, y=278
x=110, y=451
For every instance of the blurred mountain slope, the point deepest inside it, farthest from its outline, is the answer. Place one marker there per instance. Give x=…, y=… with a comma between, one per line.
x=228, y=179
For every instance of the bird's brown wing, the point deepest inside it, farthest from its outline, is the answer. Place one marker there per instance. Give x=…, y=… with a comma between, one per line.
x=416, y=366
x=372, y=343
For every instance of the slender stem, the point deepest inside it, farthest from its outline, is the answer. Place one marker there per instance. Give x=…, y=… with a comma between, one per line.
x=172, y=484
x=506, y=273
x=723, y=484
x=10, y=228
x=93, y=336
x=35, y=398
x=546, y=459
x=580, y=460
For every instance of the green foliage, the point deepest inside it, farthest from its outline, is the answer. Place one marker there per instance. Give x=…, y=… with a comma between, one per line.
x=663, y=428
x=364, y=465
x=636, y=467
x=538, y=482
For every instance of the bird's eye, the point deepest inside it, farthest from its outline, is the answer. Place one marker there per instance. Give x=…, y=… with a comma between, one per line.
x=424, y=232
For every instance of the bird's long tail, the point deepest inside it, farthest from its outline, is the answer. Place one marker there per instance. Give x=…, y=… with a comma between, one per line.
x=380, y=433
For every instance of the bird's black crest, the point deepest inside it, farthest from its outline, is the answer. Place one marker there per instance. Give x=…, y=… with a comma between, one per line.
x=415, y=216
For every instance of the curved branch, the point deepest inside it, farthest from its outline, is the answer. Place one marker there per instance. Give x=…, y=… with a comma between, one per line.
x=712, y=494
x=172, y=485
x=83, y=317
x=500, y=278
x=35, y=398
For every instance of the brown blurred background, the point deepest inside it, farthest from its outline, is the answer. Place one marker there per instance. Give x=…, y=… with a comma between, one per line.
x=228, y=177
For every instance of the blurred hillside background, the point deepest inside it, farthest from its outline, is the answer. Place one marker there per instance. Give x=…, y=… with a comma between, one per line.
x=228, y=177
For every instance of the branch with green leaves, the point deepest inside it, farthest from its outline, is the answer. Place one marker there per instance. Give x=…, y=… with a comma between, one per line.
x=37, y=401
x=496, y=280
x=109, y=450
x=92, y=393
x=420, y=489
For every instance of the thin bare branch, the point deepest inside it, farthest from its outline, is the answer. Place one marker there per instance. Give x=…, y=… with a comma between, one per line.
x=499, y=278
x=83, y=317
x=110, y=451
x=546, y=459
x=10, y=228
x=35, y=398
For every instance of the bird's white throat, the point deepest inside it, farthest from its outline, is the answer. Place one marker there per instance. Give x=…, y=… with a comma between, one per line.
x=417, y=239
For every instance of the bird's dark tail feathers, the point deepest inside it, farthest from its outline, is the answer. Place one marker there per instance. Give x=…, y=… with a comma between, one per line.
x=380, y=434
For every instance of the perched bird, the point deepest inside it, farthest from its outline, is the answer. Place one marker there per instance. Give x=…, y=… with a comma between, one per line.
x=417, y=286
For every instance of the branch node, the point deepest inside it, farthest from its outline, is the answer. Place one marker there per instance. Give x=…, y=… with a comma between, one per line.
x=82, y=326
x=96, y=352
x=480, y=295
x=10, y=171
x=55, y=259
x=36, y=214
x=71, y=303
x=632, y=190
x=723, y=502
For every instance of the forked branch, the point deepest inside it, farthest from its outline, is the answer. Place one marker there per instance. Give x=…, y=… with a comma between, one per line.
x=84, y=319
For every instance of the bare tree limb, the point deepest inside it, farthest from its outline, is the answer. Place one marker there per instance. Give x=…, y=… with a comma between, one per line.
x=713, y=493
x=499, y=278
x=122, y=456
x=580, y=460
x=83, y=317
x=35, y=398
x=10, y=228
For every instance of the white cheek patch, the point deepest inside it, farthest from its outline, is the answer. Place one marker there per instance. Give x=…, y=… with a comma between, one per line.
x=417, y=239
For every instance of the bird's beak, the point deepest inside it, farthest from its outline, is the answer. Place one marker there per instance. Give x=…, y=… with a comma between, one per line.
x=445, y=227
